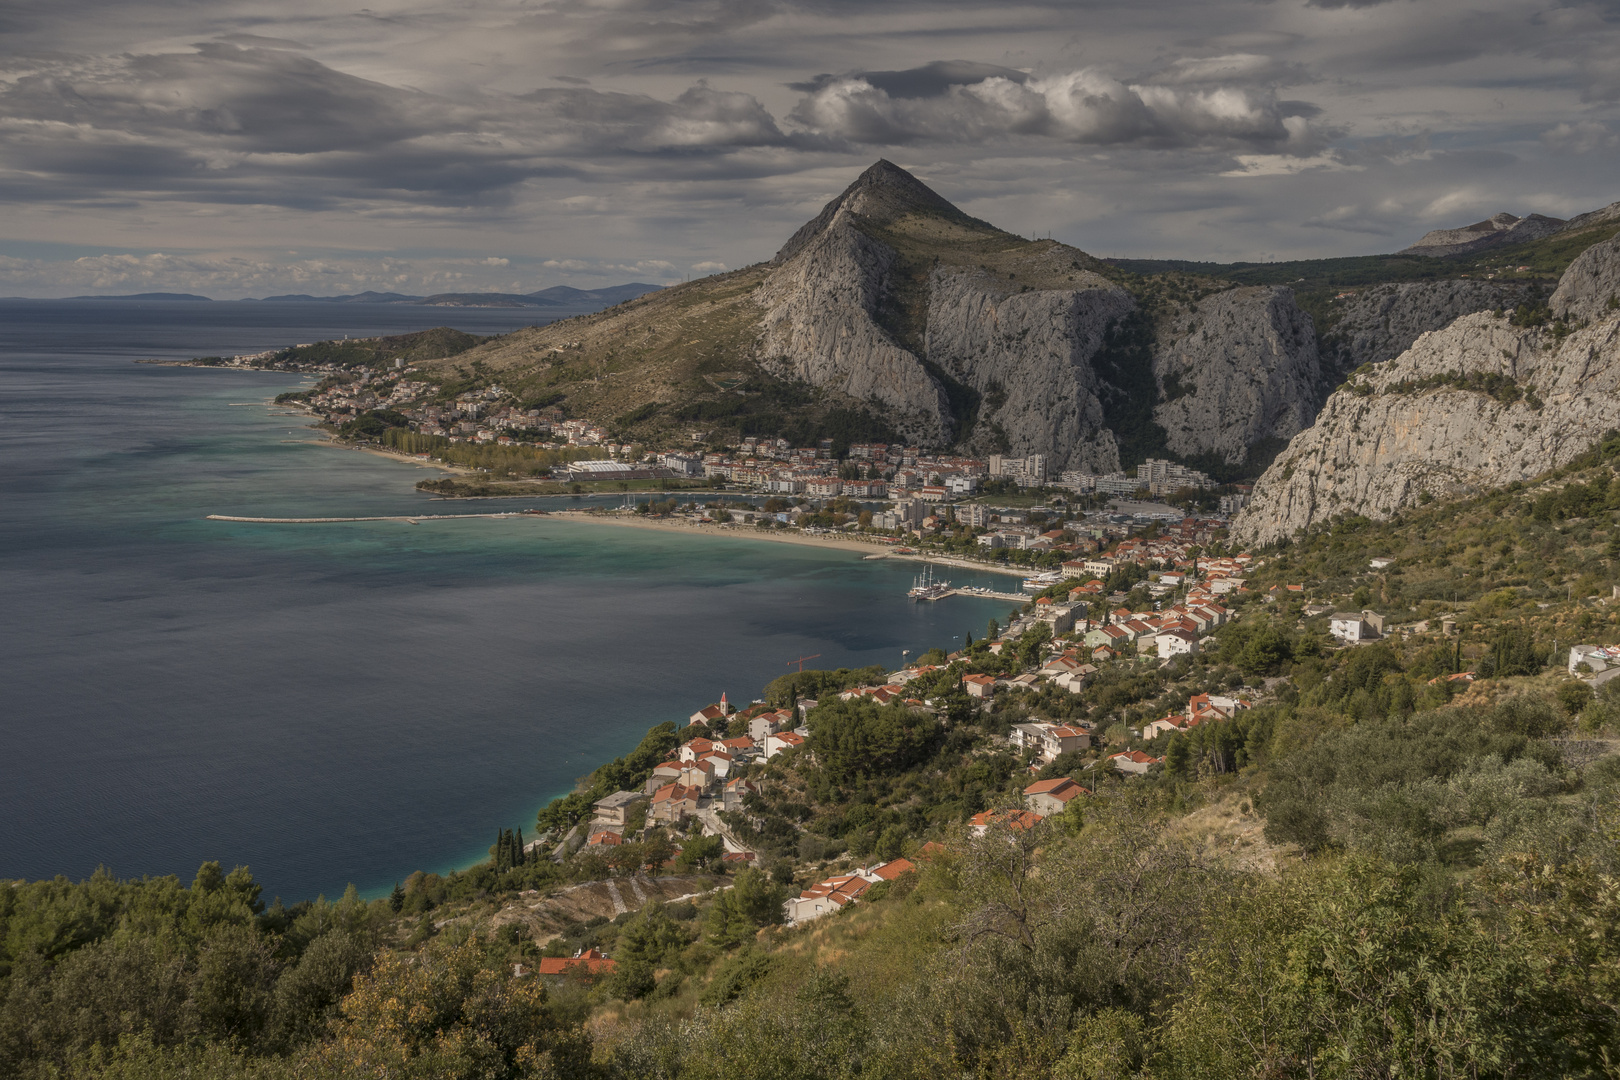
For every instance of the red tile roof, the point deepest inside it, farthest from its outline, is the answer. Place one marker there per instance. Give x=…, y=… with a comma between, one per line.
x=891, y=870
x=1013, y=819
x=590, y=962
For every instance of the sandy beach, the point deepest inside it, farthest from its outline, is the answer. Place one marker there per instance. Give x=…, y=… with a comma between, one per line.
x=865, y=546
x=740, y=532
x=748, y=532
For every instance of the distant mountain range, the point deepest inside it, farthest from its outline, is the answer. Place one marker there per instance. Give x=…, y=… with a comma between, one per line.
x=164, y=296
x=556, y=296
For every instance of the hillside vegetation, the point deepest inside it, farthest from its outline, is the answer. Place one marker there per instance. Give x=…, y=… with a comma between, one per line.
x=1379, y=869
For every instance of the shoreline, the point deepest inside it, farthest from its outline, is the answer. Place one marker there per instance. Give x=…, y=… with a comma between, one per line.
x=734, y=531
x=869, y=547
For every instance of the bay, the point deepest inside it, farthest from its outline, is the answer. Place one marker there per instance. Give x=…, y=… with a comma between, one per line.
x=335, y=703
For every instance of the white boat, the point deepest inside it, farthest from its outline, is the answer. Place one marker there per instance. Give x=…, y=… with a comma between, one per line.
x=926, y=588
x=1042, y=582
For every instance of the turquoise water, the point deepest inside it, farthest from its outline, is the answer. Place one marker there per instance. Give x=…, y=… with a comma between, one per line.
x=336, y=703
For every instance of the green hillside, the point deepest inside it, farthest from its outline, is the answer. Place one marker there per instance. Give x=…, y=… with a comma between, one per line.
x=1400, y=861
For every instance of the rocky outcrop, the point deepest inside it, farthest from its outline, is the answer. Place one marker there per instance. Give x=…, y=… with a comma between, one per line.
x=1590, y=288
x=819, y=327
x=1495, y=231
x=1593, y=217
x=1028, y=355
x=1235, y=369
x=1475, y=406
x=1381, y=322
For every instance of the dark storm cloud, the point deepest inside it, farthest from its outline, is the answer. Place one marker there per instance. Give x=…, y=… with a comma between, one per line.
x=228, y=124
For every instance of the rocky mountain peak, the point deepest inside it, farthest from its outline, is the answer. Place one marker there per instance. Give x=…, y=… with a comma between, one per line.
x=883, y=193
x=1494, y=231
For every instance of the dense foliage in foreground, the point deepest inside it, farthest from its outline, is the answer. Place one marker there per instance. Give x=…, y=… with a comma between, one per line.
x=1461, y=917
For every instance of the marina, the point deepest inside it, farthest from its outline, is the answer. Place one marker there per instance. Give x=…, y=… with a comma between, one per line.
x=925, y=588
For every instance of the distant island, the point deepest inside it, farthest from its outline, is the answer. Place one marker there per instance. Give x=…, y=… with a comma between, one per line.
x=557, y=296
x=162, y=296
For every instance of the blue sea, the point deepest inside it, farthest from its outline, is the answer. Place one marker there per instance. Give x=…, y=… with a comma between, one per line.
x=336, y=703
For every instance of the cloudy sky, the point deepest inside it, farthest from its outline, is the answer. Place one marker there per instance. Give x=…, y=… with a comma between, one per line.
x=240, y=148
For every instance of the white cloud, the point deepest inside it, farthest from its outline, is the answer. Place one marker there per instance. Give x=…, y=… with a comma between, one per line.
x=1282, y=165
x=1581, y=137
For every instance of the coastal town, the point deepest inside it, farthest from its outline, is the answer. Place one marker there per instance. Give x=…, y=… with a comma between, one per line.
x=1141, y=653
x=346, y=397
x=720, y=771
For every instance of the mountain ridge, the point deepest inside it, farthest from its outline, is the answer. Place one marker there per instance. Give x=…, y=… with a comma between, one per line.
x=895, y=314
x=1491, y=399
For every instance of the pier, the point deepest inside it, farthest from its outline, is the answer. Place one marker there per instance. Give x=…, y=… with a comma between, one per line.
x=1021, y=598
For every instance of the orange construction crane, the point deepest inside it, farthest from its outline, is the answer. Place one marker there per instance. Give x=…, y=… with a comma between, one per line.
x=800, y=661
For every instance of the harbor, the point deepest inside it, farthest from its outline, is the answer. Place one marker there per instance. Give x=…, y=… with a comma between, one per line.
x=926, y=588
x=977, y=592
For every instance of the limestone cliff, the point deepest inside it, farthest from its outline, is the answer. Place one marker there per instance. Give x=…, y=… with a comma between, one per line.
x=1028, y=356
x=818, y=327
x=1235, y=369
x=1590, y=288
x=1381, y=322
x=1477, y=405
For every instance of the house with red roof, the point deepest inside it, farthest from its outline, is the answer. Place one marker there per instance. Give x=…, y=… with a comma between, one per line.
x=979, y=686
x=732, y=795
x=837, y=893
x=834, y=894
x=1133, y=761
x=1177, y=642
x=1047, y=797
x=605, y=838
x=590, y=962
x=709, y=714
x=693, y=749
x=665, y=772
x=768, y=723
x=782, y=740
x=890, y=870
x=1013, y=819
x=742, y=744
x=674, y=802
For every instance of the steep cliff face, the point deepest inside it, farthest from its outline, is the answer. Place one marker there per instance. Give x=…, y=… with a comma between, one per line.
x=890, y=286
x=1028, y=356
x=1474, y=406
x=1381, y=322
x=1590, y=288
x=818, y=327
x=1236, y=368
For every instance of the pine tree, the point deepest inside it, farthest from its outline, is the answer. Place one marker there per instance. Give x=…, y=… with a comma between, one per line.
x=396, y=899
